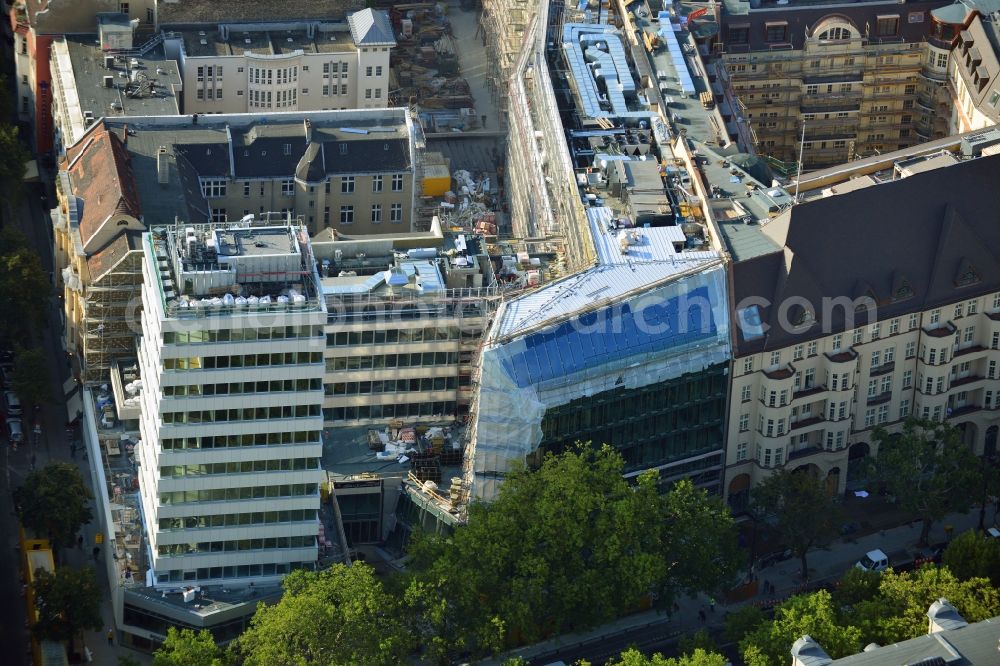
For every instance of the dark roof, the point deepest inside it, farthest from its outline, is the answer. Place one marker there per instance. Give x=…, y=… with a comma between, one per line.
x=973, y=645
x=235, y=11
x=103, y=261
x=802, y=18
x=934, y=232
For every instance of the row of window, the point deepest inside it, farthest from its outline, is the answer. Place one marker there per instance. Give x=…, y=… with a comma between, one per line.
x=209, y=93
x=268, y=76
x=262, y=98
x=398, y=411
x=215, y=188
x=331, y=67
x=242, y=361
x=238, y=441
x=210, y=416
x=394, y=386
x=242, y=388
x=397, y=336
x=213, y=573
x=241, y=334
x=427, y=359
x=234, y=546
x=875, y=330
x=233, y=494
x=347, y=214
x=238, y=519
x=241, y=467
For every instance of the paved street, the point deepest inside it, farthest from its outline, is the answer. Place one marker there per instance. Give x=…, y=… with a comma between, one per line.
x=651, y=631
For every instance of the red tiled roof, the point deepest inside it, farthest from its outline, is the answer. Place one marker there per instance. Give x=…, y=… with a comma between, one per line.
x=103, y=180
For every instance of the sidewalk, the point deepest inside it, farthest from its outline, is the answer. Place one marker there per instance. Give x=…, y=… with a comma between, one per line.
x=824, y=566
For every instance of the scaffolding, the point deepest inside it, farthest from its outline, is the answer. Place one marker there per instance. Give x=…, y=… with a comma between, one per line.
x=112, y=305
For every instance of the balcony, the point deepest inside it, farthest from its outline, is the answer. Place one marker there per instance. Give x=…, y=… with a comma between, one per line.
x=962, y=411
x=969, y=350
x=805, y=423
x=883, y=369
x=880, y=399
x=803, y=453
x=806, y=392
x=843, y=356
x=785, y=372
x=962, y=381
x=942, y=331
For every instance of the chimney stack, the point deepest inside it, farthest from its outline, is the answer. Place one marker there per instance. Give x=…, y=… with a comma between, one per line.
x=807, y=652
x=308, y=126
x=944, y=617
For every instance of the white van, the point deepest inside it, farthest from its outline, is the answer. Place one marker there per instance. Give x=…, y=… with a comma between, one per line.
x=874, y=560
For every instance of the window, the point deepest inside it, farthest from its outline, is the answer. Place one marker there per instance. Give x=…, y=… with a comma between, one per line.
x=767, y=458
x=969, y=334
x=935, y=316
x=368, y=71
x=991, y=372
x=904, y=408
x=347, y=214
x=769, y=431
x=378, y=93
x=869, y=417
x=908, y=379
x=213, y=188
x=810, y=378
x=376, y=213
x=745, y=394
x=347, y=185
x=343, y=90
x=744, y=422
x=883, y=413
x=397, y=182
x=288, y=187
x=876, y=358
x=959, y=310
x=739, y=34
x=775, y=32
x=246, y=188
x=875, y=331
x=872, y=388
x=396, y=213
x=123, y=7
x=932, y=356
x=741, y=452
x=886, y=385
x=368, y=93
x=890, y=354
x=344, y=67
x=378, y=70
x=996, y=301
x=326, y=90
x=326, y=216
x=772, y=399
x=783, y=398
x=836, y=342
x=813, y=346
x=911, y=349
x=377, y=183
x=914, y=319
x=798, y=352
x=972, y=307
x=748, y=365
x=775, y=358
x=200, y=94
x=305, y=91
x=887, y=26
x=858, y=336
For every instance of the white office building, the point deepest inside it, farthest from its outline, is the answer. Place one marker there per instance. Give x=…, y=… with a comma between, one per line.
x=231, y=361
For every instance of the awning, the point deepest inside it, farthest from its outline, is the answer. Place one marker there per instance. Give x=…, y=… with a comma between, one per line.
x=74, y=406
x=31, y=171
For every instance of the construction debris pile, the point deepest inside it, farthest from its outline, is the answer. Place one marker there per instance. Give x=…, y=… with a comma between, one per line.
x=471, y=205
x=425, y=449
x=426, y=70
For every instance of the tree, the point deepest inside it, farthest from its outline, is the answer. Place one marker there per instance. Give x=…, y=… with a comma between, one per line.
x=699, y=640
x=698, y=657
x=800, y=510
x=565, y=547
x=31, y=377
x=741, y=622
x=24, y=287
x=973, y=555
x=928, y=469
x=53, y=502
x=855, y=586
x=68, y=602
x=12, y=166
x=128, y=660
x=188, y=648
x=987, y=486
x=814, y=614
x=341, y=615
x=899, y=611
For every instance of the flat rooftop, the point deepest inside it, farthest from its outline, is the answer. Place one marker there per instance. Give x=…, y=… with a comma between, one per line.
x=146, y=88
x=277, y=39
x=214, y=11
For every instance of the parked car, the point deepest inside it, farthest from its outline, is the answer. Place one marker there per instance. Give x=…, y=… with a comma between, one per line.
x=14, y=431
x=13, y=404
x=993, y=533
x=874, y=560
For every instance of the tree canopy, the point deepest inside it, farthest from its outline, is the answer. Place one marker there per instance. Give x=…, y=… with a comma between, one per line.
x=24, y=284
x=881, y=608
x=53, y=502
x=698, y=657
x=928, y=469
x=341, y=615
x=973, y=555
x=188, y=648
x=31, y=377
x=566, y=547
x=12, y=166
x=799, y=509
x=68, y=602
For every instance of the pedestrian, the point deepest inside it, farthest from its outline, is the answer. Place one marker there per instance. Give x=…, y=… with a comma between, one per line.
x=711, y=604
x=79, y=542
x=702, y=616
x=111, y=637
